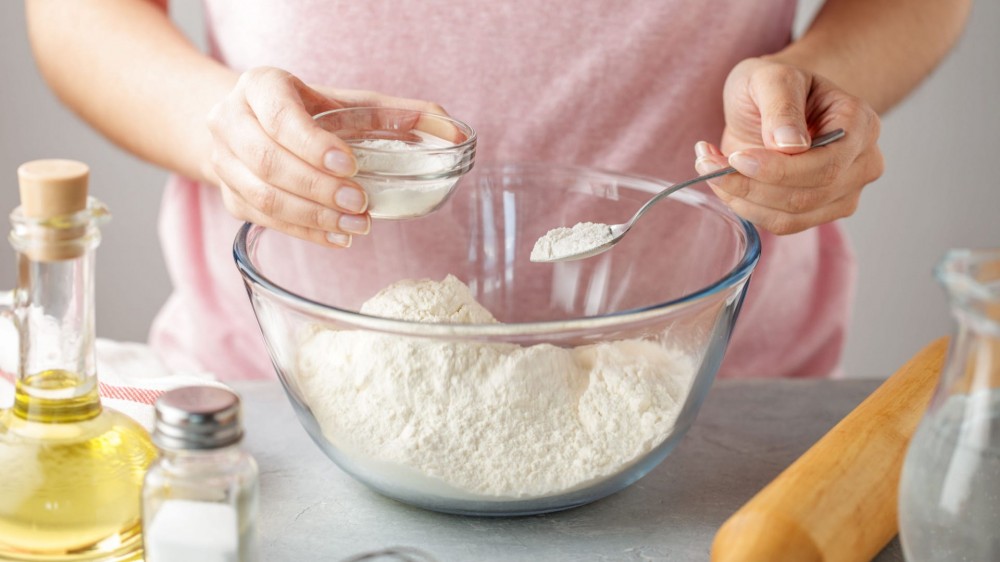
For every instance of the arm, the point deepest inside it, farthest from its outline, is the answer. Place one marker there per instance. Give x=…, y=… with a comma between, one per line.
x=125, y=68
x=858, y=59
x=878, y=50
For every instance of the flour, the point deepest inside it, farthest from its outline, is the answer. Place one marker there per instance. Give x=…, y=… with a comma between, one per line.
x=487, y=420
x=428, y=301
x=562, y=242
x=386, y=170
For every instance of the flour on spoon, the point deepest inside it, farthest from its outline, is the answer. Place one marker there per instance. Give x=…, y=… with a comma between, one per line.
x=563, y=242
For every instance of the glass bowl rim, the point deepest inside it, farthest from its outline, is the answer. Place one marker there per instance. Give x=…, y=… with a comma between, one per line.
x=464, y=127
x=737, y=275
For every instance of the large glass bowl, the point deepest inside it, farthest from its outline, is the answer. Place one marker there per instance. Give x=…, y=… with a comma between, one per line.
x=671, y=289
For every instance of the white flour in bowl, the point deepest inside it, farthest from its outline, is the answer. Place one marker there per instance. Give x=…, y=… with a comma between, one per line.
x=487, y=420
x=562, y=242
x=396, y=197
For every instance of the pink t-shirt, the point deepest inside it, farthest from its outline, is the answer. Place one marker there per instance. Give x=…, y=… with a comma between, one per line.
x=627, y=86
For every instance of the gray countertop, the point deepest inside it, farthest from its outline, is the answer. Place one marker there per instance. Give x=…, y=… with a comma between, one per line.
x=746, y=433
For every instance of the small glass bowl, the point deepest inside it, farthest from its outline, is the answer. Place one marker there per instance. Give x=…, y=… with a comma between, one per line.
x=409, y=162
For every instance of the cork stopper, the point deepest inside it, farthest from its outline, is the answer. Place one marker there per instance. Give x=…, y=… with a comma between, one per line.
x=52, y=188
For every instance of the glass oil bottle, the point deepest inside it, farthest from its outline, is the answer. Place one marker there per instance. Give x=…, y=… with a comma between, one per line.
x=71, y=471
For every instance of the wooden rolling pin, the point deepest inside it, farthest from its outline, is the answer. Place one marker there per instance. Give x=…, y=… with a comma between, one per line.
x=837, y=502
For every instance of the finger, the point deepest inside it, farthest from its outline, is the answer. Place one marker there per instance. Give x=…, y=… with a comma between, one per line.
x=368, y=98
x=709, y=163
x=704, y=148
x=284, y=207
x=392, y=123
x=782, y=222
x=277, y=166
x=279, y=102
x=441, y=128
x=780, y=94
x=241, y=210
x=819, y=167
x=792, y=199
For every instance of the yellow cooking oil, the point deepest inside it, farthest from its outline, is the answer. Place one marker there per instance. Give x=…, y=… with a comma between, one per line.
x=70, y=474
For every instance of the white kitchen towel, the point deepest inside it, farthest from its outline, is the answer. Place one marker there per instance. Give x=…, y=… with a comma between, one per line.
x=131, y=376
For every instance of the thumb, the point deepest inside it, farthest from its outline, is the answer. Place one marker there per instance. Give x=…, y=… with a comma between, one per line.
x=780, y=93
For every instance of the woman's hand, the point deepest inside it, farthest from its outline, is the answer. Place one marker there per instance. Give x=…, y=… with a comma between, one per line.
x=275, y=167
x=773, y=111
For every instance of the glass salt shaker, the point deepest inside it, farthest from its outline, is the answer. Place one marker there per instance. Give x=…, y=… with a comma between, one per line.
x=199, y=500
x=950, y=487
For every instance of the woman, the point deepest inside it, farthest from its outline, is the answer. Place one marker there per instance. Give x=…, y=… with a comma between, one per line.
x=629, y=86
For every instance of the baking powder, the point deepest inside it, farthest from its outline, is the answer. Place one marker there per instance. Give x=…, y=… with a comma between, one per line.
x=487, y=420
x=386, y=172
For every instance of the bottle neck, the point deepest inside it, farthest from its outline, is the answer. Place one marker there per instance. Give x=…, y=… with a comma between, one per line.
x=57, y=379
x=974, y=359
x=972, y=279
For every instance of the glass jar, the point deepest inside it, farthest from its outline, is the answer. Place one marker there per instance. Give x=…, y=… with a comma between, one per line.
x=200, y=498
x=950, y=486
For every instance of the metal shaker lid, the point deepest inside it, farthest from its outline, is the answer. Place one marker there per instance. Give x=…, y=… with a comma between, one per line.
x=197, y=418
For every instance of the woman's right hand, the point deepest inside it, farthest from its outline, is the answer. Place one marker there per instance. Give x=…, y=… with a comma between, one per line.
x=275, y=167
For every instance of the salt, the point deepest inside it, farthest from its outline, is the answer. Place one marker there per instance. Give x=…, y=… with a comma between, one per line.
x=192, y=530
x=563, y=242
x=199, y=498
x=387, y=170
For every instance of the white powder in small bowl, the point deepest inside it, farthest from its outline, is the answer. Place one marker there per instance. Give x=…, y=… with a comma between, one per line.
x=390, y=172
x=563, y=242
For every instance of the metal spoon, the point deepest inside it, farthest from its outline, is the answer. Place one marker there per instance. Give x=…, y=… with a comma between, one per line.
x=618, y=230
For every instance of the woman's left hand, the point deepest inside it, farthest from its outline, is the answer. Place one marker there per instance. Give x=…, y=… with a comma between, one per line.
x=773, y=111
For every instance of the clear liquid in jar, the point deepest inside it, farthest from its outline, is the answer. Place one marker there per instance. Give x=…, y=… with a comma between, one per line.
x=950, y=487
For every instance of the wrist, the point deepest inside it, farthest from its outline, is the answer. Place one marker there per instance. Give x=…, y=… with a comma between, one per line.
x=796, y=56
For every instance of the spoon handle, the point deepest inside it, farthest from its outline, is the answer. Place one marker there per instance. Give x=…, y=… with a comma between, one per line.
x=817, y=142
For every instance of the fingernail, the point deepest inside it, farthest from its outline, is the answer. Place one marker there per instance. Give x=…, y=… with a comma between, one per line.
x=339, y=163
x=355, y=224
x=339, y=239
x=701, y=149
x=789, y=137
x=351, y=199
x=705, y=165
x=744, y=163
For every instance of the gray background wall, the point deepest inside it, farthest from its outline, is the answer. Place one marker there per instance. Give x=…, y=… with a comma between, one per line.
x=939, y=191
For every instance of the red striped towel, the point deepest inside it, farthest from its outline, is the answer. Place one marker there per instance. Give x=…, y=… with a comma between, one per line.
x=113, y=392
